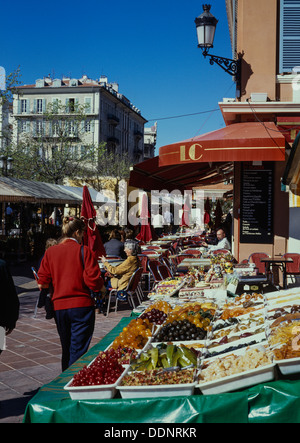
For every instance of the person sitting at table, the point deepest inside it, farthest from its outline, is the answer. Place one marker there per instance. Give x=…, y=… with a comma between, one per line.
x=114, y=246
x=223, y=243
x=120, y=275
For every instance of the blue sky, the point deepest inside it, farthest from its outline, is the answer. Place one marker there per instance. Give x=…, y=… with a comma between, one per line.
x=149, y=49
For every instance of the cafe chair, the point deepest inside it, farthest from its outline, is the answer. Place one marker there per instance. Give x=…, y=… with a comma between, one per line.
x=292, y=269
x=37, y=302
x=146, y=273
x=165, y=261
x=255, y=258
x=164, y=271
x=133, y=288
x=221, y=251
x=192, y=251
x=154, y=274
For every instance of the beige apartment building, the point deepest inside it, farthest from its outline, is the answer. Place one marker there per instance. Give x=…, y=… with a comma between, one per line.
x=110, y=116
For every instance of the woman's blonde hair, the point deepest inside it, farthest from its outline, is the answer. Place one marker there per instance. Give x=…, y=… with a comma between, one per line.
x=72, y=224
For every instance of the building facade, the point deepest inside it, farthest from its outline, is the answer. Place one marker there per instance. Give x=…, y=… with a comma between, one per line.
x=266, y=37
x=109, y=116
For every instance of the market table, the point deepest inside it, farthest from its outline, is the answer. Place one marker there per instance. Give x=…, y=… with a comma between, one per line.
x=277, y=261
x=274, y=402
x=190, y=262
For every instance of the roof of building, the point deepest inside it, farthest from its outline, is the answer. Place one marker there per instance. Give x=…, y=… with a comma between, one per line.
x=22, y=190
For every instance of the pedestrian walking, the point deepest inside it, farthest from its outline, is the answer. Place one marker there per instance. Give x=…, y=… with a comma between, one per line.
x=9, y=304
x=72, y=281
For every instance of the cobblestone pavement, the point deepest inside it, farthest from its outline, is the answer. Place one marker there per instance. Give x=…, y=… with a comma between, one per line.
x=33, y=353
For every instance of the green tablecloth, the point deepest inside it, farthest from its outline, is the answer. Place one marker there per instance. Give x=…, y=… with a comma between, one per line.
x=274, y=402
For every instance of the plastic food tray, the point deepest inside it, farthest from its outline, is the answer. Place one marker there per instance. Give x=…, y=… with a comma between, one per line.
x=95, y=392
x=289, y=365
x=157, y=390
x=245, y=379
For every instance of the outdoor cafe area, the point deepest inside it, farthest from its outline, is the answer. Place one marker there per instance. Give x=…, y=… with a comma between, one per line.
x=208, y=340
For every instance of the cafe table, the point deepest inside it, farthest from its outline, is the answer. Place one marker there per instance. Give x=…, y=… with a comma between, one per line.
x=277, y=261
x=272, y=402
x=194, y=262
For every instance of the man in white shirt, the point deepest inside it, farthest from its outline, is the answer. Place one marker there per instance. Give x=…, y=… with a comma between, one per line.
x=223, y=243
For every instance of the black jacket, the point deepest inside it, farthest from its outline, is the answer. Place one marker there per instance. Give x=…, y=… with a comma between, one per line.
x=9, y=301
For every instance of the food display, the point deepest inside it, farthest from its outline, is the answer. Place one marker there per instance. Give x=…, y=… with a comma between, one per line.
x=165, y=355
x=168, y=287
x=190, y=342
x=135, y=335
x=104, y=370
x=158, y=377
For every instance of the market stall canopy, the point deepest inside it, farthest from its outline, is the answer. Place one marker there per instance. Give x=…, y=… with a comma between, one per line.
x=208, y=159
x=251, y=141
x=149, y=175
x=22, y=190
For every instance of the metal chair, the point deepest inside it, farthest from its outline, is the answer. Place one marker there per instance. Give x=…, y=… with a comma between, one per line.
x=292, y=269
x=152, y=266
x=195, y=252
x=35, y=274
x=131, y=290
x=146, y=273
x=164, y=271
x=220, y=251
x=255, y=258
x=165, y=261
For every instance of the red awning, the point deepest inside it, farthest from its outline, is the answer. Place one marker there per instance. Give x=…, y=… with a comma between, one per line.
x=149, y=175
x=251, y=141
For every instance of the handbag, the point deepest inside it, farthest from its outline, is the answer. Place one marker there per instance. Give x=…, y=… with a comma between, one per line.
x=122, y=295
x=96, y=296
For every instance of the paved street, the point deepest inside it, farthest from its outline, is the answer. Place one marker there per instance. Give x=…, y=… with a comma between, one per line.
x=33, y=353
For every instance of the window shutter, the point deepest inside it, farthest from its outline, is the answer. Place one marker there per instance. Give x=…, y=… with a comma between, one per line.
x=44, y=105
x=28, y=106
x=289, y=54
x=88, y=103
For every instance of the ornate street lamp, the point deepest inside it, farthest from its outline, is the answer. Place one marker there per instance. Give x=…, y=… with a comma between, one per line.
x=206, y=25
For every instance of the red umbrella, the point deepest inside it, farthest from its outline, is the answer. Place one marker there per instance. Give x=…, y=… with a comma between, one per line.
x=147, y=233
x=92, y=237
x=185, y=220
x=218, y=214
x=207, y=211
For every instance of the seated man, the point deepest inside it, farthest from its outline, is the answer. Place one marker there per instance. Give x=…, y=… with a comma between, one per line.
x=223, y=243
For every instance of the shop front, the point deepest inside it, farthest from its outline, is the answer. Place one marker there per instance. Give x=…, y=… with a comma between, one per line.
x=253, y=155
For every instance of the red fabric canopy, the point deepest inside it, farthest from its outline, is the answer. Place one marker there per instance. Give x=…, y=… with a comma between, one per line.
x=147, y=232
x=237, y=142
x=150, y=176
x=92, y=237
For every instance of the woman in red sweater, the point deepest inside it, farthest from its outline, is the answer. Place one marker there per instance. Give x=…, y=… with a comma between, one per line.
x=74, y=308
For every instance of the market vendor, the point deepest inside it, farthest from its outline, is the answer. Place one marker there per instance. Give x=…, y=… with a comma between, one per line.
x=121, y=274
x=223, y=243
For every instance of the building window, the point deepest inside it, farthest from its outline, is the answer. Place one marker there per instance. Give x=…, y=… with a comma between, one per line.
x=39, y=106
x=87, y=126
x=55, y=128
x=23, y=106
x=39, y=127
x=23, y=126
x=289, y=50
x=71, y=105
